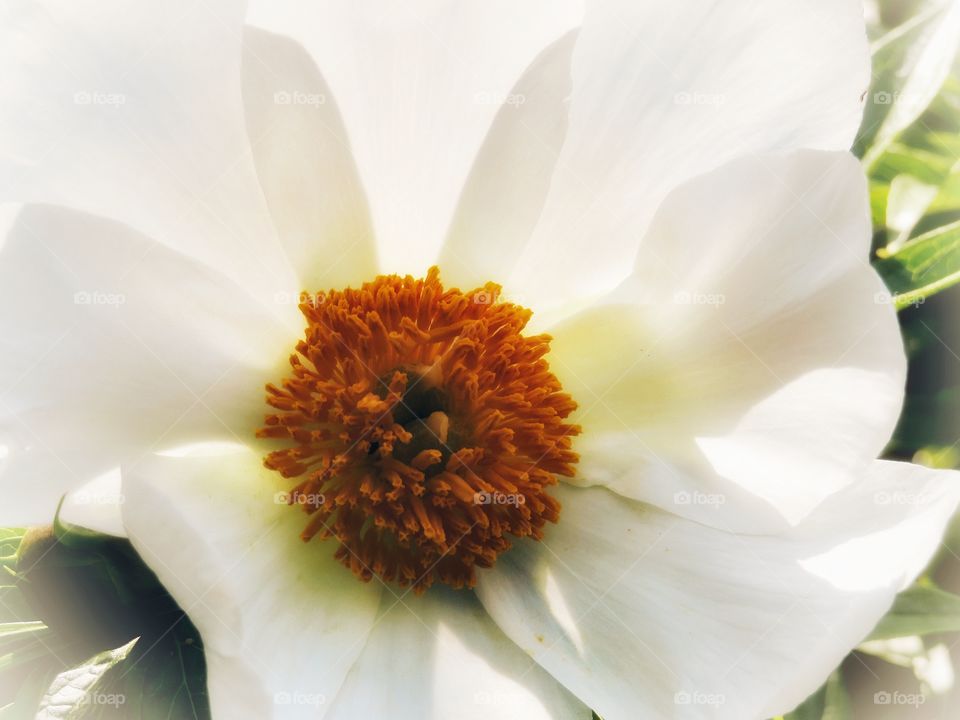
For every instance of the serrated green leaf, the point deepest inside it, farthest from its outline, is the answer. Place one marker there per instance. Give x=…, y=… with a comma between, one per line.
x=920, y=610
x=924, y=266
x=76, y=692
x=910, y=65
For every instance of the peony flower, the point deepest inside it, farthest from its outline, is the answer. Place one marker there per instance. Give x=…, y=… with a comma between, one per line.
x=576, y=369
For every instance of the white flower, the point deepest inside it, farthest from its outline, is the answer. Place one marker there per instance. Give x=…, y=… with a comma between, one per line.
x=673, y=199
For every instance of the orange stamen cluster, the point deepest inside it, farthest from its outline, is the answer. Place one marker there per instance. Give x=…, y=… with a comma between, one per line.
x=423, y=428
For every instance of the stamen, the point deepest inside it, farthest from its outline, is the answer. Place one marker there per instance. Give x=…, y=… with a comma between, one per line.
x=422, y=427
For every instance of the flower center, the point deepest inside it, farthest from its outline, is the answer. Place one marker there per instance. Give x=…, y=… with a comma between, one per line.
x=423, y=428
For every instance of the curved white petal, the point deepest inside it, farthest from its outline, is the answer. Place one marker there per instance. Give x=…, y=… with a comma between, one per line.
x=665, y=91
x=419, y=85
x=34, y=479
x=111, y=345
x=456, y=663
x=95, y=505
x=508, y=183
x=282, y=621
x=133, y=111
x=304, y=165
x=753, y=356
x=641, y=613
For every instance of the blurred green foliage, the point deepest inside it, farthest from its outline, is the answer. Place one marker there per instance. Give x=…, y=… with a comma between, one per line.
x=88, y=632
x=910, y=147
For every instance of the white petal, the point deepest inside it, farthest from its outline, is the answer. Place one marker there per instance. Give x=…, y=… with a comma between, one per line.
x=509, y=181
x=33, y=480
x=665, y=91
x=111, y=345
x=305, y=166
x=644, y=614
x=753, y=354
x=96, y=505
x=277, y=616
x=440, y=656
x=133, y=111
x=419, y=86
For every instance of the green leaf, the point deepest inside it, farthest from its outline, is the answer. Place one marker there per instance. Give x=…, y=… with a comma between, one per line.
x=15, y=635
x=26, y=655
x=93, y=592
x=29, y=691
x=9, y=542
x=923, y=267
x=910, y=65
x=11, y=535
x=80, y=691
x=945, y=143
x=837, y=706
x=908, y=182
x=920, y=610
x=169, y=680
x=948, y=199
x=830, y=702
x=879, y=192
x=927, y=166
x=14, y=629
x=74, y=536
x=907, y=203
x=810, y=709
